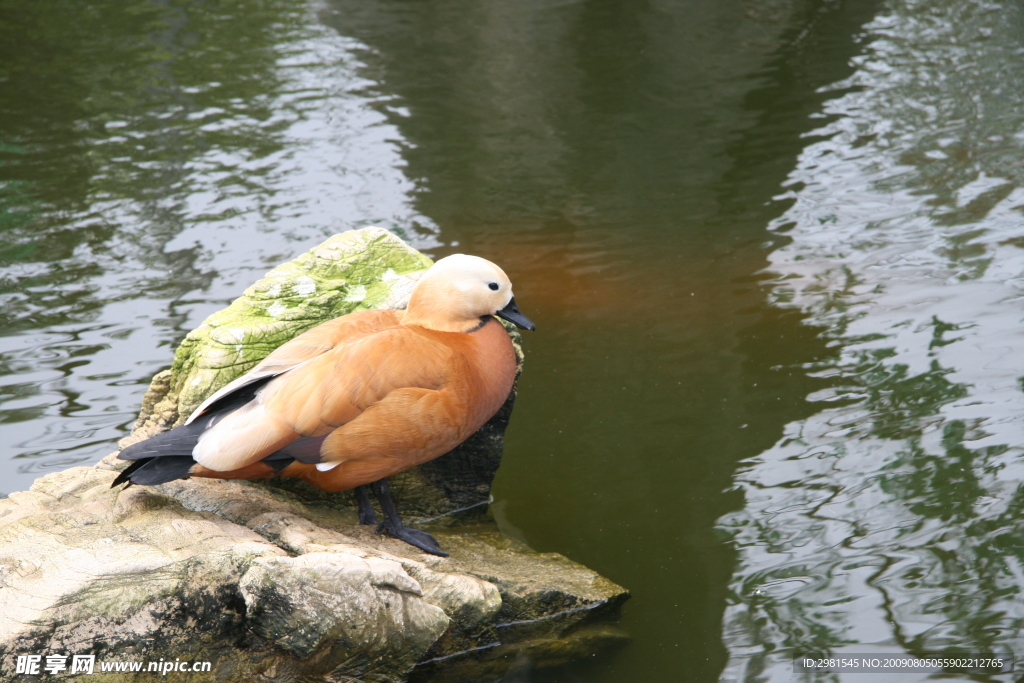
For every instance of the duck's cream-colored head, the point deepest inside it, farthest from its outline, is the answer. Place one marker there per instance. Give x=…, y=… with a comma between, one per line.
x=458, y=291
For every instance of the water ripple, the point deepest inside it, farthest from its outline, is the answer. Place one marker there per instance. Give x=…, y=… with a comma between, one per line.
x=892, y=517
x=151, y=185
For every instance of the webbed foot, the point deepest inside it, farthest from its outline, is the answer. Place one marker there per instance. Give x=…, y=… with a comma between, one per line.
x=393, y=526
x=414, y=537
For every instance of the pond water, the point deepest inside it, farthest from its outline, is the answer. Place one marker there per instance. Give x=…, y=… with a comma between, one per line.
x=774, y=249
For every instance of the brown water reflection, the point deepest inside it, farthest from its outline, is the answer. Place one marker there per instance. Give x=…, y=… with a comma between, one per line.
x=620, y=159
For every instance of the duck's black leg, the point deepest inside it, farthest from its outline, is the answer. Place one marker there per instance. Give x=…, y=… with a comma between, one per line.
x=366, y=513
x=393, y=526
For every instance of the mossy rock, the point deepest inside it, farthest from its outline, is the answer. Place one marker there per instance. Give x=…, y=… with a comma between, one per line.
x=353, y=271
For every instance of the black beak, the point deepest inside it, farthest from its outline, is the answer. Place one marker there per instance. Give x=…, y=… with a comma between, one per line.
x=511, y=313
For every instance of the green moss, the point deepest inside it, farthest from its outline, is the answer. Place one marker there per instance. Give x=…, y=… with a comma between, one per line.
x=352, y=271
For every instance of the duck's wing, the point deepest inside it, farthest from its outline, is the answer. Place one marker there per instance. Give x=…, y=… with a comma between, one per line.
x=322, y=393
x=309, y=345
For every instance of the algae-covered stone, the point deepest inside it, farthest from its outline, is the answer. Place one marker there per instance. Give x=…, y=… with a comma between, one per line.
x=352, y=271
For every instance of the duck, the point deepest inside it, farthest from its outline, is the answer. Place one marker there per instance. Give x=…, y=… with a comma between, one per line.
x=357, y=399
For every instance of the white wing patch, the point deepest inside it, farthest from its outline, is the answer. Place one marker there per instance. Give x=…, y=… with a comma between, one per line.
x=241, y=438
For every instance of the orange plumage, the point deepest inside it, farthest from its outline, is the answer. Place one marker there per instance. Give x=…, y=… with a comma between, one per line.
x=405, y=394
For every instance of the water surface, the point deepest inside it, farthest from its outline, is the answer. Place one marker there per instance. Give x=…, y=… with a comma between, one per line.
x=155, y=159
x=891, y=516
x=773, y=250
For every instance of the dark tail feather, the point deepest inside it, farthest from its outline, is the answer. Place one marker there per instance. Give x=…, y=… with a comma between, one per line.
x=151, y=471
x=179, y=441
x=126, y=473
x=164, y=457
x=168, y=456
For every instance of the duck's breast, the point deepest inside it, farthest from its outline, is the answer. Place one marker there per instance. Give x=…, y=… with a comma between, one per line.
x=491, y=361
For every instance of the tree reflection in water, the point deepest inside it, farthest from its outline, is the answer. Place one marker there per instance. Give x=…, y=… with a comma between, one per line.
x=892, y=517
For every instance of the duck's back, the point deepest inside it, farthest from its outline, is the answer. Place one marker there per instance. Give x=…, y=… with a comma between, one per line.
x=309, y=345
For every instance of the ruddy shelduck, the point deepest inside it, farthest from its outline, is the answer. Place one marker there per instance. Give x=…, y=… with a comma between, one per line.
x=358, y=398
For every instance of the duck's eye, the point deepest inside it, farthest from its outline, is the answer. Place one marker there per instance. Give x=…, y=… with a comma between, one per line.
x=493, y=286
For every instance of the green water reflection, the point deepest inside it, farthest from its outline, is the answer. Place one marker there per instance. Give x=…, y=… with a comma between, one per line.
x=890, y=517
x=155, y=159
x=772, y=248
